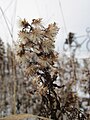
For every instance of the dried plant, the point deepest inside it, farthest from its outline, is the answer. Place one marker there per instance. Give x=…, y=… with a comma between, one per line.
x=39, y=61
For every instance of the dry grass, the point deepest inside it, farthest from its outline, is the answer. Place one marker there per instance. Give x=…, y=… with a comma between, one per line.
x=23, y=116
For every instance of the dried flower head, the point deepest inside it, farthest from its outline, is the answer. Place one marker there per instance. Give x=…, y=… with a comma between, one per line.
x=52, y=30
x=37, y=22
x=23, y=23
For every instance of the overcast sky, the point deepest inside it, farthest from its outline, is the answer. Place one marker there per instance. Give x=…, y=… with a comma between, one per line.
x=75, y=13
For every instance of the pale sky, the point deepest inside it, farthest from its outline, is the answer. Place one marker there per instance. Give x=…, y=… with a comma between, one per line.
x=76, y=15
